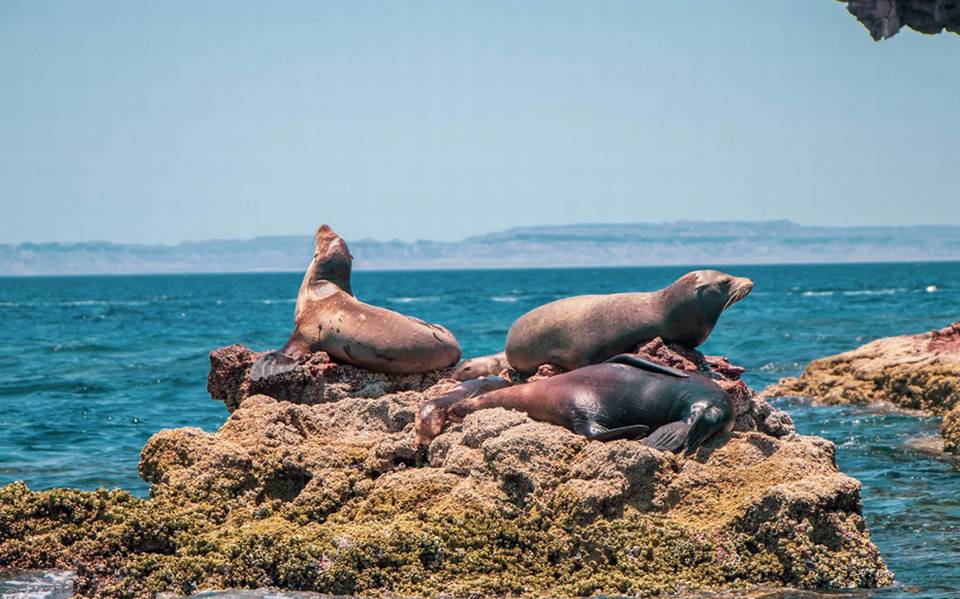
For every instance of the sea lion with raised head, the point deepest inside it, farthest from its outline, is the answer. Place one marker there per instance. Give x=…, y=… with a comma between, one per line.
x=587, y=329
x=482, y=366
x=623, y=398
x=328, y=318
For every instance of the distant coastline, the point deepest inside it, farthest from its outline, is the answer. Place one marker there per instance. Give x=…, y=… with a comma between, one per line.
x=593, y=245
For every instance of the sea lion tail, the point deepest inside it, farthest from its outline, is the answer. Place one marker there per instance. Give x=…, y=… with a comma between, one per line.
x=276, y=362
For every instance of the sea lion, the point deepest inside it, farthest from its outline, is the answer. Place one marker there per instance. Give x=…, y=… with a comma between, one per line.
x=328, y=318
x=470, y=388
x=622, y=398
x=481, y=366
x=587, y=329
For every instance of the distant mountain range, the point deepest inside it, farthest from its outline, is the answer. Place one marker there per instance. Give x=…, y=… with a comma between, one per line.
x=682, y=242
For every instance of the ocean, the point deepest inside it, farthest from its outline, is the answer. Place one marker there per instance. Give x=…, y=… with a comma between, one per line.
x=91, y=367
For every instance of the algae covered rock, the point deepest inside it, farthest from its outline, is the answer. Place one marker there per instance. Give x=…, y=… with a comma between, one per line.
x=950, y=431
x=331, y=496
x=915, y=372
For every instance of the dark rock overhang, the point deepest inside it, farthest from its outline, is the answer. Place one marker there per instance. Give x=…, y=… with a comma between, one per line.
x=884, y=18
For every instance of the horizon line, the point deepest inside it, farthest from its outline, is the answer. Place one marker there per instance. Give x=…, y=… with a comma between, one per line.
x=480, y=235
x=700, y=266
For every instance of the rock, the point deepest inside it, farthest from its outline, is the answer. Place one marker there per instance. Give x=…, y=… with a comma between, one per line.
x=884, y=18
x=316, y=380
x=950, y=431
x=331, y=497
x=319, y=380
x=914, y=372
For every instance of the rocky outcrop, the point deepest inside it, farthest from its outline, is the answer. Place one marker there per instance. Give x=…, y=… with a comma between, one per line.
x=915, y=372
x=950, y=431
x=331, y=496
x=320, y=380
x=884, y=18
x=317, y=380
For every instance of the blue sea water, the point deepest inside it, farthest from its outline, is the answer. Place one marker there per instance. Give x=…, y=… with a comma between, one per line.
x=90, y=367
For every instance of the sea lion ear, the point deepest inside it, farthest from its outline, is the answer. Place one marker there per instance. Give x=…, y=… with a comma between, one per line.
x=706, y=286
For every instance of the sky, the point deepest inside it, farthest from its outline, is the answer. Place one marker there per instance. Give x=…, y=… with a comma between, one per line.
x=167, y=121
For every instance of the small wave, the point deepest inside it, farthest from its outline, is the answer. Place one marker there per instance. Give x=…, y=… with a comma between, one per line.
x=278, y=301
x=505, y=298
x=413, y=300
x=932, y=289
x=816, y=293
x=82, y=347
x=38, y=583
x=890, y=291
x=104, y=303
x=74, y=303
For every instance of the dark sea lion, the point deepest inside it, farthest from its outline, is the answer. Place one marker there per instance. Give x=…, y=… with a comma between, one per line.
x=481, y=366
x=621, y=399
x=587, y=329
x=328, y=318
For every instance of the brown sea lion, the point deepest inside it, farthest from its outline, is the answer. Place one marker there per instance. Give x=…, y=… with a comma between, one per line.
x=623, y=398
x=481, y=366
x=328, y=318
x=587, y=329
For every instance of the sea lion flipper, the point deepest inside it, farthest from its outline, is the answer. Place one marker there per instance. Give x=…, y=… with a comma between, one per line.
x=669, y=437
x=705, y=425
x=622, y=432
x=276, y=362
x=638, y=362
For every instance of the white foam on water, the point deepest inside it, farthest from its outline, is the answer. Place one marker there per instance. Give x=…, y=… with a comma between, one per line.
x=874, y=291
x=38, y=584
x=816, y=293
x=932, y=289
x=505, y=299
x=413, y=300
x=105, y=303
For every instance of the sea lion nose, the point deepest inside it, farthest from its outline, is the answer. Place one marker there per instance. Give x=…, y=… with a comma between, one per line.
x=745, y=284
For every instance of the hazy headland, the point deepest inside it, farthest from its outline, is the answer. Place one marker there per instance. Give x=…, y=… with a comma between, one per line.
x=634, y=244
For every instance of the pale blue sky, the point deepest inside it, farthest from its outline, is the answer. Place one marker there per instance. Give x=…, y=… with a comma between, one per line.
x=165, y=121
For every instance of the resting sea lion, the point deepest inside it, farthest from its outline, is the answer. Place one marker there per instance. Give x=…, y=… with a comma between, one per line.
x=588, y=329
x=623, y=398
x=471, y=388
x=328, y=318
x=482, y=366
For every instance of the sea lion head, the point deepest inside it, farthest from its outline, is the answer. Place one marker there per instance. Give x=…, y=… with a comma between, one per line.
x=470, y=369
x=475, y=368
x=695, y=301
x=429, y=422
x=332, y=260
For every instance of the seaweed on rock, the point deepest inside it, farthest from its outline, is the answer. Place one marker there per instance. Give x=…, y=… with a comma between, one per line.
x=332, y=497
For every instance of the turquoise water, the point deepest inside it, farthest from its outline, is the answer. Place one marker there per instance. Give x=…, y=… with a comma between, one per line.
x=90, y=367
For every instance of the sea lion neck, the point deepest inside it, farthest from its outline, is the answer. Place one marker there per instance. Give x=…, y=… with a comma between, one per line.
x=332, y=261
x=687, y=320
